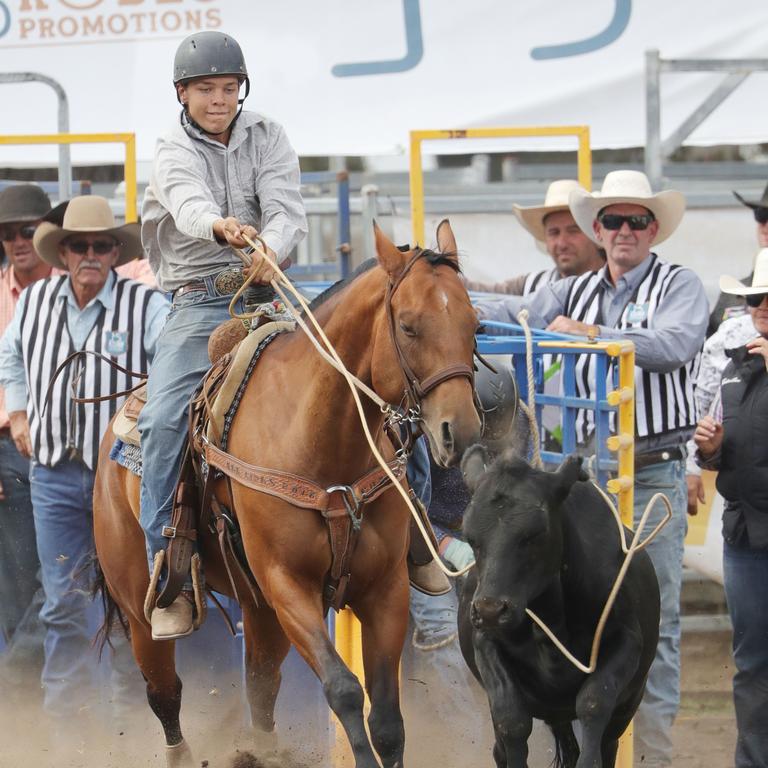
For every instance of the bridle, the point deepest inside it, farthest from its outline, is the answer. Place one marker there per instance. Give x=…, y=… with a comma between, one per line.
x=415, y=389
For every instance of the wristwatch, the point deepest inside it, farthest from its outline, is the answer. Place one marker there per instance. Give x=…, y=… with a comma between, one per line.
x=593, y=331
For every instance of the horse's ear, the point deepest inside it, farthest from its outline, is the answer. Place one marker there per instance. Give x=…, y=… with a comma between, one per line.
x=446, y=241
x=390, y=258
x=474, y=463
x=570, y=472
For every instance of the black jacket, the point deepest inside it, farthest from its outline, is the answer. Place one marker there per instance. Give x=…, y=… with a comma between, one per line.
x=743, y=476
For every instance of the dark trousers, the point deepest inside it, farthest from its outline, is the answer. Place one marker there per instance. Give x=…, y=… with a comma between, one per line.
x=745, y=574
x=21, y=595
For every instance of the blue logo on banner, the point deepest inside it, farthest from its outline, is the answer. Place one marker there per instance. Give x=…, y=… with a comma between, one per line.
x=116, y=342
x=414, y=50
x=611, y=33
x=5, y=19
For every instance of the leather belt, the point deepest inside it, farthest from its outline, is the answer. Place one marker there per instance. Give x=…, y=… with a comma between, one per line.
x=224, y=283
x=658, y=457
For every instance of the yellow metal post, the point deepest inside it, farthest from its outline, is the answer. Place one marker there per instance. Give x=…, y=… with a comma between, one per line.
x=626, y=488
x=417, y=191
x=584, y=155
x=128, y=139
x=349, y=644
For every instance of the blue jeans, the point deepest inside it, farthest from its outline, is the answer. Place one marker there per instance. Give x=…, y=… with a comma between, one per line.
x=63, y=510
x=745, y=573
x=20, y=590
x=180, y=361
x=654, y=719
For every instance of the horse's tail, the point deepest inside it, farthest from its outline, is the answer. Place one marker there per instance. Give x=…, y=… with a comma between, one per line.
x=566, y=746
x=113, y=615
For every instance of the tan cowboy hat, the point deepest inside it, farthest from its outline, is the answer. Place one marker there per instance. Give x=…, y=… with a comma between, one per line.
x=532, y=216
x=735, y=287
x=86, y=214
x=628, y=187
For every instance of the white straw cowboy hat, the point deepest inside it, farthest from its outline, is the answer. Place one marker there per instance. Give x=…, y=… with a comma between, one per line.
x=532, y=216
x=628, y=187
x=87, y=214
x=735, y=287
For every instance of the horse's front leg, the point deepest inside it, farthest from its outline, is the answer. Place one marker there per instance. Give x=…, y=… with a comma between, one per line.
x=300, y=613
x=512, y=723
x=383, y=613
x=266, y=647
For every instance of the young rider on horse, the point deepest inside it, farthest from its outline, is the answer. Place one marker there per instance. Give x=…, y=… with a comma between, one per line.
x=219, y=174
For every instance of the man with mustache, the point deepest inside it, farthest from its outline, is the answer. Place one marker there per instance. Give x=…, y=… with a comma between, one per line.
x=88, y=307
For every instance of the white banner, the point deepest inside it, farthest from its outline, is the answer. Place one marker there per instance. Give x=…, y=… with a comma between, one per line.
x=347, y=77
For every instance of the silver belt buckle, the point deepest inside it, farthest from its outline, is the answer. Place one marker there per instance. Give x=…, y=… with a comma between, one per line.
x=229, y=281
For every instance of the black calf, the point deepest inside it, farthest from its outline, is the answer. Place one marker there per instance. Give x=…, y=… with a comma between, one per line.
x=547, y=542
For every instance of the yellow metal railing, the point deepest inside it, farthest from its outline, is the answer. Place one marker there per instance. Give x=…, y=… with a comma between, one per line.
x=128, y=139
x=584, y=158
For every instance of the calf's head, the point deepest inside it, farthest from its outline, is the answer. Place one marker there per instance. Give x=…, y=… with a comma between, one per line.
x=514, y=526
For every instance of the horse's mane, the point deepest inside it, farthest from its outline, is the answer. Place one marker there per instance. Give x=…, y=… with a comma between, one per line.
x=433, y=257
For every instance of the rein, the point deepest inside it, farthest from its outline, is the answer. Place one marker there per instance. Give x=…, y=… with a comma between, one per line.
x=78, y=376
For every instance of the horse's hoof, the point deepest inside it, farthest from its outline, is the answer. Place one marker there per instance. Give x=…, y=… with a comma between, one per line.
x=179, y=756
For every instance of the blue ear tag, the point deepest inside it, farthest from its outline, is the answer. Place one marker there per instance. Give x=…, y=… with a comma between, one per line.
x=637, y=313
x=115, y=342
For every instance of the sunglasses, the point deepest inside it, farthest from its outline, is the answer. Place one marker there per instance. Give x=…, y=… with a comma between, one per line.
x=8, y=233
x=755, y=300
x=100, y=247
x=761, y=215
x=614, y=221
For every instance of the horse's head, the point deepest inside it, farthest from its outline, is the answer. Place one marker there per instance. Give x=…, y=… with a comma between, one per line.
x=514, y=526
x=427, y=345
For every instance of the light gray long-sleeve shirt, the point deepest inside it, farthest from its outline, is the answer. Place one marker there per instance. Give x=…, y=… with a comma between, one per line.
x=675, y=338
x=678, y=327
x=196, y=180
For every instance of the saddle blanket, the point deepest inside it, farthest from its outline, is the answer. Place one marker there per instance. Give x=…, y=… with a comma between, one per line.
x=127, y=455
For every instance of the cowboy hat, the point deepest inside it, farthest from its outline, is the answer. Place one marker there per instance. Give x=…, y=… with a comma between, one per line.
x=89, y=214
x=632, y=187
x=23, y=202
x=532, y=216
x=735, y=287
x=761, y=203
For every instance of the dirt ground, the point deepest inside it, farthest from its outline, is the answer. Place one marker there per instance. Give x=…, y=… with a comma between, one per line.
x=704, y=734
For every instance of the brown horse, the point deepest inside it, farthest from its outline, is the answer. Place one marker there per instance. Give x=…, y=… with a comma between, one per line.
x=297, y=415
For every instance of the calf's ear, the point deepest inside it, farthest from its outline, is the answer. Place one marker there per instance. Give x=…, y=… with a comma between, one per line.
x=569, y=472
x=474, y=463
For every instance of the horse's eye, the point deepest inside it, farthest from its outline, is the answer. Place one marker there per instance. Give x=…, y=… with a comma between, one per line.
x=406, y=329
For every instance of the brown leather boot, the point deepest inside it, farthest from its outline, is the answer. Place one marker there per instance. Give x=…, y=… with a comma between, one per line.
x=423, y=572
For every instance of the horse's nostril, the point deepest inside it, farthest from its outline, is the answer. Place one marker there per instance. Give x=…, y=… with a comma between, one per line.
x=447, y=435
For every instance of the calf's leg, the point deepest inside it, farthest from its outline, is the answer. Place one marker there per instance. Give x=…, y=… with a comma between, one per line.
x=512, y=723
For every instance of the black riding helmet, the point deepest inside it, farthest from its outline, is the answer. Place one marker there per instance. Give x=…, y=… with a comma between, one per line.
x=206, y=54
x=497, y=393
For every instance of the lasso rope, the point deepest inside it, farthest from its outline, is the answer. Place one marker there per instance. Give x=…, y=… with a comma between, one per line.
x=629, y=552
x=530, y=409
x=352, y=381
x=354, y=384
